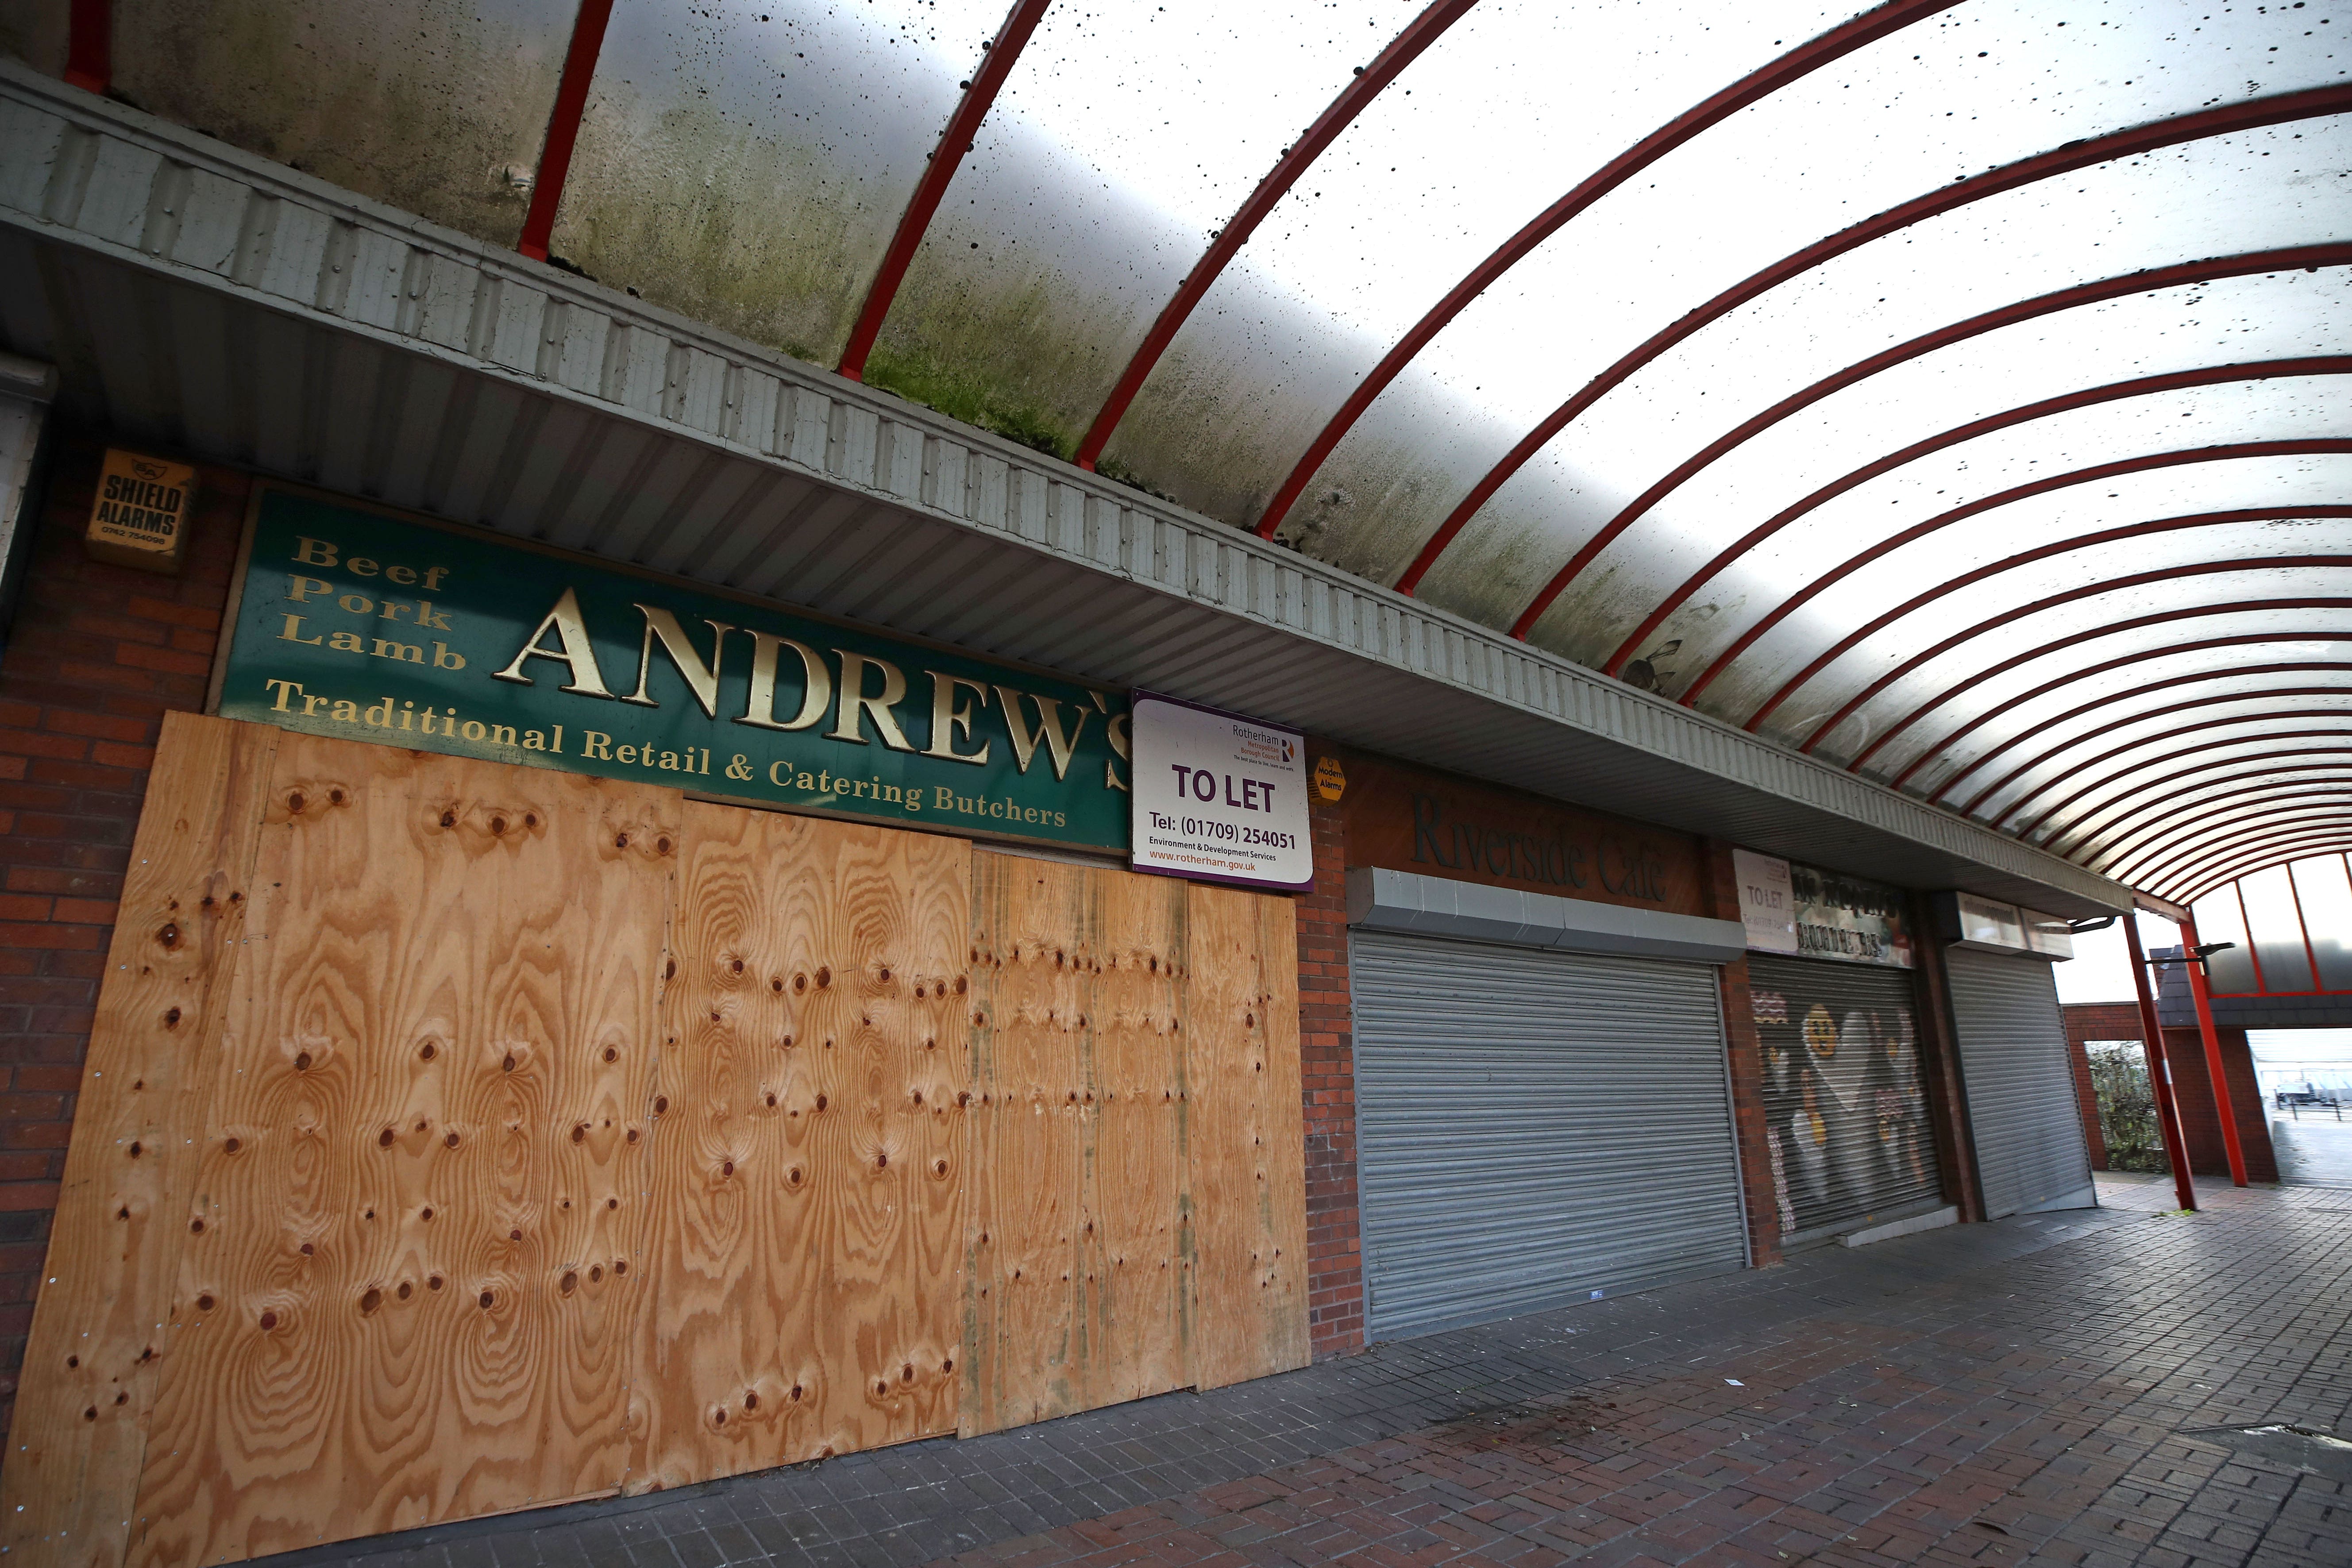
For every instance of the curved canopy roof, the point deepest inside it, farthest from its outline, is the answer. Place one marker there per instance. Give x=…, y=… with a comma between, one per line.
x=1955, y=391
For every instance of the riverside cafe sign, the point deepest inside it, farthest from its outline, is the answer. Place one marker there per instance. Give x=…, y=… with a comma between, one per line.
x=363, y=625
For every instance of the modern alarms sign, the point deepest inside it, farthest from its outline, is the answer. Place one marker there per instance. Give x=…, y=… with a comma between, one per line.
x=1218, y=797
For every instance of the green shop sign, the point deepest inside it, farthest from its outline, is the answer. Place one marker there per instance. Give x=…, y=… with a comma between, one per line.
x=365, y=626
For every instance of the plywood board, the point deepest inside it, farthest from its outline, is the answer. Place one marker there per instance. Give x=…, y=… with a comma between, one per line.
x=1245, y=1140
x=412, y=1247
x=1135, y=1250
x=808, y=1148
x=1079, y=1293
x=67, y=1489
x=1027, y=1348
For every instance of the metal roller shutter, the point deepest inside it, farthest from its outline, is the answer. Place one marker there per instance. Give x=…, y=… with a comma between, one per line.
x=2021, y=1107
x=1534, y=1126
x=1844, y=1100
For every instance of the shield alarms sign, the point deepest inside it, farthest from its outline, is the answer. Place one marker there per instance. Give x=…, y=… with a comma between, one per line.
x=1219, y=797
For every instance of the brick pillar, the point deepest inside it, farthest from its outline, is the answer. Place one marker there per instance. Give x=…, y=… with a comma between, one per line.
x=2192, y=1088
x=2088, y=1021
x=1749, y=1121
x=98, y=655
x=1335, y=1261
x=1940, y=1065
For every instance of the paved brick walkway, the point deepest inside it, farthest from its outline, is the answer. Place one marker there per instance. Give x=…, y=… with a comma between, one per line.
x=2070, y=1388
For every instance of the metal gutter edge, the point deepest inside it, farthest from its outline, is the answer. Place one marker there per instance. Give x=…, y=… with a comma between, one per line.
x=1382, y=899
x=97, y=176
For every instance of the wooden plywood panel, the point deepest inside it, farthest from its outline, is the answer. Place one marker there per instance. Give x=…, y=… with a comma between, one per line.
x=69, y=1482
x=808, y=1168
x=1026, y=1351
x=413, y=1249
x=1135, y=1250
x=1245, y=1140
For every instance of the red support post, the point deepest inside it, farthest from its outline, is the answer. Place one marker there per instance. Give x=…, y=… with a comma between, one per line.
x=2222, y=1109
x=2160, y=1072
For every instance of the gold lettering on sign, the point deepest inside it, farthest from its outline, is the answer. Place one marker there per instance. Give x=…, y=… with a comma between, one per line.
x=950, y=718
x=575, y=654
x=849, y=721
x=702, y=680
x=1049, y=729
x=760, y=710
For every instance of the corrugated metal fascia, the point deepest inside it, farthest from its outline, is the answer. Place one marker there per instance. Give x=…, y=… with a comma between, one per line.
x=109, y=179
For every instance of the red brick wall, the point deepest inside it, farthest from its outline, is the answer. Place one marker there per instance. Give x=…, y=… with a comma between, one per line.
x=2096, y=1021
x=1948, y=1106
x=1335, y=1260
x=1747, y=1118
x=99, y=654
x=2192, y=1088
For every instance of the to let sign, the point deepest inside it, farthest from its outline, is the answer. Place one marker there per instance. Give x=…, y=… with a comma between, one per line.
x=357, y=625
x=1219, y=798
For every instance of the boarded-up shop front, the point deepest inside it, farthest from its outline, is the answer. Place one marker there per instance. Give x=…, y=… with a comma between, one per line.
x=464, y=1130
x=1543, y=1110
x=1829, y=976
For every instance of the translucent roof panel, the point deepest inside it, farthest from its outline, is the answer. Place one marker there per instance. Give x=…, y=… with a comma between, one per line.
x=2116, y=219
x=2221, y=918
x=35, y=31
x=2150, y=800
x=747, y=167
x=1845, y=709
x=2061, y=749
x=2147, y=826
x=2084, y=699
x=1924, y=387
x=437, y=106
x=1130, y=135
x=2323, y=886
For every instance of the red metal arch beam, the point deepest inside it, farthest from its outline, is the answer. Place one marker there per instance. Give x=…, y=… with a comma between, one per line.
x=2145, y=463
x=2099, y=704
x=2261, y=838
x=2197, y=773
x=2203, y=727
x=563, y=126
x=1403, y=50
x=2125, y=772
x=2205, y=123
x=2265, y=861
x=2137, y=820
x=2073, y=644
x=1801, y=61
x=2252, y=811
x=1941, y=745
x=2133, y=783
x=2319, y=835
x=2051, y=602
x=2145, y=386
x=2179, y=838
x=2147, y=815
x=2144, y=715
x=2205, y=771
x=963, y=125
x=89, y=45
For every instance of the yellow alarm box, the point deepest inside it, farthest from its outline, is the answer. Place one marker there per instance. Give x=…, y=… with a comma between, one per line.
x=140, y=516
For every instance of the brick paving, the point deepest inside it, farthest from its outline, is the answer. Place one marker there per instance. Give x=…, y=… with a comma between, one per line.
x=2049, y=1389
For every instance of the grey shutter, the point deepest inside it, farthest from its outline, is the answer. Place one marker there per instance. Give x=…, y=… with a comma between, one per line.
x=2021, y=1105
x=1844, y=1100
x=1533, y=1127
